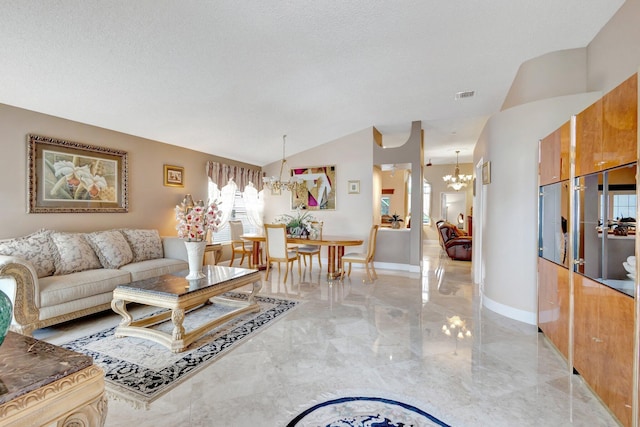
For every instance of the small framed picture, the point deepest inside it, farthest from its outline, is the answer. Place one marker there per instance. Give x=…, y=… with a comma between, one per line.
x=486, y=173
x=173, y=176
x=354, y=187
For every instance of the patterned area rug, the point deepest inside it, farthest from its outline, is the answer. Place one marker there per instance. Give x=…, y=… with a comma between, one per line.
x=139, y=371
x=364, y=412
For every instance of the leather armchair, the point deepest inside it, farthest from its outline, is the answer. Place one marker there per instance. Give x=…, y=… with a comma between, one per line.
x=454, y=241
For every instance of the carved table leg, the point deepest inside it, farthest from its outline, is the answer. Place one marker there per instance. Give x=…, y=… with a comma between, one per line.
x=177, y=317
x=256, y=288
x=120, y=307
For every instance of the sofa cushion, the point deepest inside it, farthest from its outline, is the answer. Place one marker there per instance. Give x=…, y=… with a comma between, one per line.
x=111, y=247
x=37, y=248
x=145, y=244
x=154, y=267
x=73, y=253
x=60, y=289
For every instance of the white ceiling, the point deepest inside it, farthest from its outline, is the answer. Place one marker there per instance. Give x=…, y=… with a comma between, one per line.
x=231, y=77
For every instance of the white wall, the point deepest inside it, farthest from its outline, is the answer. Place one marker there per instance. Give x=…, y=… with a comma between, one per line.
x=510, y=140
x=509, y=243
x=353, y=158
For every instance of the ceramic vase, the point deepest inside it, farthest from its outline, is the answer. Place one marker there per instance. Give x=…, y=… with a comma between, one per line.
x=6, y=311
x=195, y=255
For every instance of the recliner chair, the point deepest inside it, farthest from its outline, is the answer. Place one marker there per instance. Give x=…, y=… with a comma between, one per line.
x=454, y=241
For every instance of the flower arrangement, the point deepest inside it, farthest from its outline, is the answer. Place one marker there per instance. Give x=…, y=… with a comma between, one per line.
x=300, y=224
x=195, y=220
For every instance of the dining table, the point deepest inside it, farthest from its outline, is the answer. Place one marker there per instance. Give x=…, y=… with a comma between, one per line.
x=335, y=249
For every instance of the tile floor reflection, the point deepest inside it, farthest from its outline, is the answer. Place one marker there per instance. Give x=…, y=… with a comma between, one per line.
x=384, y=338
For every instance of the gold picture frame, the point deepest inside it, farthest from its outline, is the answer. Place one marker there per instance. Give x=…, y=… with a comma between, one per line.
x=486, y=173
x=73, y=177
x=173, y=176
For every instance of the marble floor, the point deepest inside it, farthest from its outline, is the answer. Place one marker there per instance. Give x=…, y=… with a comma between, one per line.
x=384, y=338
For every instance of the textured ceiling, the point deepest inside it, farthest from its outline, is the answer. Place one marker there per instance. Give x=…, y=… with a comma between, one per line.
x=230, y=77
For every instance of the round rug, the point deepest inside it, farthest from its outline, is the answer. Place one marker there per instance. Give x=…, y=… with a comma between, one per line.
x=364, y=412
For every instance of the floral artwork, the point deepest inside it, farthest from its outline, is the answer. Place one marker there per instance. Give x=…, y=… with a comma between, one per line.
x=66, y=176
x=78, y=178
x=318, y=189
x=194, y=222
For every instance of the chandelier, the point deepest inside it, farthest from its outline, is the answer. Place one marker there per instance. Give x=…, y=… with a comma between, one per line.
x=277, y=184
x=457, y=181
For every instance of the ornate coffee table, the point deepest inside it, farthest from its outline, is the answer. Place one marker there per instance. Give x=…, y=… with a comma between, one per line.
x=180, y=295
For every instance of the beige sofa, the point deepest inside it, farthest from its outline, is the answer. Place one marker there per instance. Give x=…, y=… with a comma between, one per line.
x=52, y=277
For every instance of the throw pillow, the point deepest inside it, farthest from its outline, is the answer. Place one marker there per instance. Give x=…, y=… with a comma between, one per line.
x=145, y=244
x=111, y=247
x=37, y=248
x=73, y=253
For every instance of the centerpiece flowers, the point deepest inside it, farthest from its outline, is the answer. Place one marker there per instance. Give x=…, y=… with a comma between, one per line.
x=195, y=220
x=300, y=224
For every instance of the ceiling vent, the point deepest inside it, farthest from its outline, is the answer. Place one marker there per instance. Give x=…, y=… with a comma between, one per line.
x=465, y=94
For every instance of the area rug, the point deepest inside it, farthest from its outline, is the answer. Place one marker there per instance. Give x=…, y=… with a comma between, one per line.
x=362, y=411
x=139, y=371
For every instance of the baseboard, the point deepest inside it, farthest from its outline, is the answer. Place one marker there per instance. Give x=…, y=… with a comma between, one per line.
x=383, y=266
x=510, y=312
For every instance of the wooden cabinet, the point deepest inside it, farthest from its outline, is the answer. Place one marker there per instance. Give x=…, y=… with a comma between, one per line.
x=607, y=131
x=589, y=139
x=550, y=159
x=620, y=124
x=553, y=304
x=554, y=155
x=603, y=343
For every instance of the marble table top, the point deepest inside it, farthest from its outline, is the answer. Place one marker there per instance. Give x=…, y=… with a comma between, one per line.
x=27, y=364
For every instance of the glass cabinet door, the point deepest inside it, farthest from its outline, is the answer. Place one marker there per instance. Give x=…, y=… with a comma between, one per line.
x=606, y=226
x=554, y=222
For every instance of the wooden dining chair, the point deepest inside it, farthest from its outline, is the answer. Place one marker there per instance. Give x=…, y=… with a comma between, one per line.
x=239, y=246
x=311, y=250
x=277, y=250
x=362, y=258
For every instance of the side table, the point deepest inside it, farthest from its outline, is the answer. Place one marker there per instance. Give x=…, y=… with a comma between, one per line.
x=43, y=384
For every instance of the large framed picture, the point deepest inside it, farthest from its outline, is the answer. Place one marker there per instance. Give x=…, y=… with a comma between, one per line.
x=318, y=189
x=67, y=176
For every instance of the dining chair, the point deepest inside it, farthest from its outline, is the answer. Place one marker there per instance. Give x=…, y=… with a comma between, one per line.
x=277, y=250
x=362, y=258
x=311, y=250
x=239, y=246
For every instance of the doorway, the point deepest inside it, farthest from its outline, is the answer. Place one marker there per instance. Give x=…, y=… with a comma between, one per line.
x=452, y=208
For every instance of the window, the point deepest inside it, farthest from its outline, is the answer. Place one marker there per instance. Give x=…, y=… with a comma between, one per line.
x=426, y=202
x=385, y=202
x=239, y=212
x=624, y=206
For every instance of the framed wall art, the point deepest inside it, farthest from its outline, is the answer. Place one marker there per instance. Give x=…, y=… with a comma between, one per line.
x=67, y=176
x=486, y=173
x=173, y=176
x=354, y=187
x=318, y=189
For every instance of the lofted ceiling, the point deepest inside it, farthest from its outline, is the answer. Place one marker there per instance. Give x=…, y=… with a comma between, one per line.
x=231, y=77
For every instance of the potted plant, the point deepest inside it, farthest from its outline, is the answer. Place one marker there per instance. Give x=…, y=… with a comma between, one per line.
x=395, y=221
x=300, y=224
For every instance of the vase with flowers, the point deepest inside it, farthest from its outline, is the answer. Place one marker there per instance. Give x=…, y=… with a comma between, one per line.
x=298, y=225
x=194, y=221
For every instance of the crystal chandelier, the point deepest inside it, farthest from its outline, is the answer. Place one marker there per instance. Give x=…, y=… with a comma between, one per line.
x=277, y=184
x=457, y=181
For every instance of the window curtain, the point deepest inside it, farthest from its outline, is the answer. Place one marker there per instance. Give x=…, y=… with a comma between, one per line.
x=225, y=197
x=221, y=173
x=254, y=202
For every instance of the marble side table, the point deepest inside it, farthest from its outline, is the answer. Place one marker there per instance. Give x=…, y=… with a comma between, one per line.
x=45, y=385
